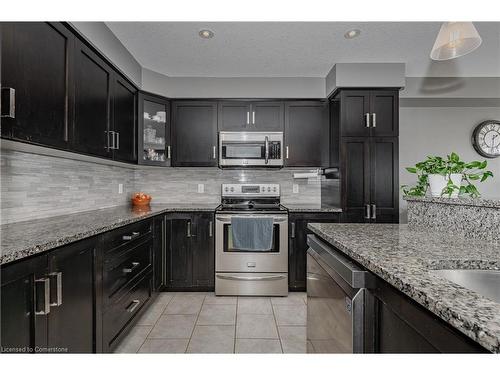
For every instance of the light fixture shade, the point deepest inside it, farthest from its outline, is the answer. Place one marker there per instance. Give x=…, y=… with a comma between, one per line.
x=455, y=39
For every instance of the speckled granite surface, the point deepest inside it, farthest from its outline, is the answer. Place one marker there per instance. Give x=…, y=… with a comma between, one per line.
x=472, y=218
x=20, y=240
x=404, y=257
x=310, y=208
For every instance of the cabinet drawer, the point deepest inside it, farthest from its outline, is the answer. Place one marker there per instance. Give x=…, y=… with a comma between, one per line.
x=120, y=270
x=122, y=311
x=120, y=240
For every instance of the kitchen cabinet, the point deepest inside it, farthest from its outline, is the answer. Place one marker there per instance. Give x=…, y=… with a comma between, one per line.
x=159, y=252
x=373, y=112
x=250, y=116
x=190, y=251
x=369, y=169
x=48, y=301
x=306, y=134
x=155, y=146
x=194, y=133
x=24, y=298
x=403, y=326
x=124, y=115
x=36, y=71
x=297, y=245
x=92, y=95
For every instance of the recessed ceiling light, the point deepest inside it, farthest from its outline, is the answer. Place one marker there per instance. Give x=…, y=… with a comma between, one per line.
x=351, y=34
x=206, y=34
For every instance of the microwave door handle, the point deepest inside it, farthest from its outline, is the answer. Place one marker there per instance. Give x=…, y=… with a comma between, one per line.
x=267, y=150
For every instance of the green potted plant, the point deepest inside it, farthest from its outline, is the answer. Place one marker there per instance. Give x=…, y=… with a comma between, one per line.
x=448, y=176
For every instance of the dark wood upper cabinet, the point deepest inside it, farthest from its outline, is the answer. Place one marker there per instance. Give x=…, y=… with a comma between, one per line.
x=24, y=309
x=306, y=134
x=369, y=113
x=234, y=116
x=154, y=135
x=354, y=113
x=267, y=116
x=384, y=188
x=93, y=81
x=124, y=100
x=71, y=318
x=384, y=108
x=36, y=63
x=194, y=133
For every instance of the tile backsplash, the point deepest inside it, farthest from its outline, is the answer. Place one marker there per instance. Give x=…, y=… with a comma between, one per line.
x=36, y=186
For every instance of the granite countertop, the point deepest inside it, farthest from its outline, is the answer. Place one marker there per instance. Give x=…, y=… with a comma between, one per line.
x=23, y=239
x=404, y=258
x=461, y=201
x=310, y=208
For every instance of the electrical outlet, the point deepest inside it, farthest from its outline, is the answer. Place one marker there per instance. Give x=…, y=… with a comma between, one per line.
x=120, y=188
x=201, y=188
x=295, y=188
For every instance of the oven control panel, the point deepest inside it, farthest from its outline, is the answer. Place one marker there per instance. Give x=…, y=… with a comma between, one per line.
x=265, y=190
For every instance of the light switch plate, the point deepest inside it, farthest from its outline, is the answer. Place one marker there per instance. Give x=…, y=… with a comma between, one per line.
x=201, y=188
x=295, y=188
x=120, y=188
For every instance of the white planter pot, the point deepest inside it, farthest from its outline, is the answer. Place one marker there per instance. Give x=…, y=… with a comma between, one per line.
x=437, y=183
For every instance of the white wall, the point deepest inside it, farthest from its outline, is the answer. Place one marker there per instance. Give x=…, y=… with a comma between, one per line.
x=233, y=87
x=441, y=130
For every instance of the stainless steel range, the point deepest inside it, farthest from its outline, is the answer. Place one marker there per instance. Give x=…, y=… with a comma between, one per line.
x=257, y=264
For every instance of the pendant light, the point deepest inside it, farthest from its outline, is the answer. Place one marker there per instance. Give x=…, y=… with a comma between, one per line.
x=455, y=39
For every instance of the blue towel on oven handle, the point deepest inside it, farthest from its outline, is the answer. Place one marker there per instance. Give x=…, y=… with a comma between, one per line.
x=252, y=233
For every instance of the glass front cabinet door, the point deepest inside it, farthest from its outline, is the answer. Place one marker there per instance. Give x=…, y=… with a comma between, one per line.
x=154, y=130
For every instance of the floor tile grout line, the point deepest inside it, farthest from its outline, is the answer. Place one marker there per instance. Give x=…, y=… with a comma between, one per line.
x=142, y=344
x=277, y=329
x=196, y=321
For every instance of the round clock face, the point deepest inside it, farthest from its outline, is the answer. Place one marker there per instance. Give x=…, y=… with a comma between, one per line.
x=486, y=139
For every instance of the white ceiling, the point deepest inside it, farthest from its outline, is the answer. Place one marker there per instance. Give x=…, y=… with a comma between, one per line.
x=297, y=49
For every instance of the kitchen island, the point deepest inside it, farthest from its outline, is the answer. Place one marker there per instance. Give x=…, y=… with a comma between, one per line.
x=406, y=259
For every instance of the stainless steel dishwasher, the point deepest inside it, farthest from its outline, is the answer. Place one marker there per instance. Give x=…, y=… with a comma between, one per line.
x=339, y=305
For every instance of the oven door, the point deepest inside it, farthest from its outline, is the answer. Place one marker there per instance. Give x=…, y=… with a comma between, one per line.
x=250, y=149
x=230, y=259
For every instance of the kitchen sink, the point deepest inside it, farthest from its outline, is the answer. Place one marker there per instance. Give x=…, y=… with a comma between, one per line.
x=484, y=282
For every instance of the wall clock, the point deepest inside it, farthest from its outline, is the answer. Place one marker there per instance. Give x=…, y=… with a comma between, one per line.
x=486, y=138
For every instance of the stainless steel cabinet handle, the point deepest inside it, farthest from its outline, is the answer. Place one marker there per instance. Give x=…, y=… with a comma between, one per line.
x=188, y=229
x=210, y=228
x=9, y=101
x=287, y=153
x=131, y=269
x=367, y=216
x=374, y=211
x=248, y=118
x=169, y=156
x=214, y=152
x=251, y=278
x=57, y=301
x=128, y=237
x=267, y=149
x=253, y=117
x=293, y=231
x=367, y=120
x=46, y=297
x=374, y=120
x=135, y=303
x=117, y=145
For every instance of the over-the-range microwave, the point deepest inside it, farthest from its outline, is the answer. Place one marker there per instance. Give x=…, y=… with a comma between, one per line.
x=250, y=149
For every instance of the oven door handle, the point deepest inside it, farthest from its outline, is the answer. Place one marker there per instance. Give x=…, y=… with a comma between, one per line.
x=267, y=149
x=252, y=278
x=275, y=219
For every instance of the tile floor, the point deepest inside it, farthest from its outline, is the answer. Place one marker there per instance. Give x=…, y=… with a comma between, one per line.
x=204, y=323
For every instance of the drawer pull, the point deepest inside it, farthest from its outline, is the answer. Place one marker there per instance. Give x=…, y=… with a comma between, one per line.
x=46, y=297
x=128, y=237
x=133, y=305
x=58, y=297
x=131, y=269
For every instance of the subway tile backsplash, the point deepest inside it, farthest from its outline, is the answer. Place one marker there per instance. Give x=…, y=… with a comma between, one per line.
x=37, y=186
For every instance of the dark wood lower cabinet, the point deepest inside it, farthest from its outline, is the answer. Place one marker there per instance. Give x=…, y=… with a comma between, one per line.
x=190, y=251
x=297, y=245
x=403, y=326
x=159, y=252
